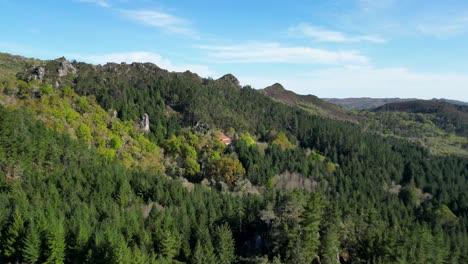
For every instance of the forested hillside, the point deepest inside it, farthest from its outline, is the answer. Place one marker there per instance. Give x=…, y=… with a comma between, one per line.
x=450, y=117
x=293, y=187
x=309, y=103
x=436, y=125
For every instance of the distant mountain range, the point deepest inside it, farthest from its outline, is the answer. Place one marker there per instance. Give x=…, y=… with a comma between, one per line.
x=363, y=103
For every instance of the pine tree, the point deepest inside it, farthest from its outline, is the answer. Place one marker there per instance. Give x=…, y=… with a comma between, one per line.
x=311, y=227
x=12, y=239
x=55, y=240
x=276, y=260
x=225, y=245
x=169, y=245
x=330, y=246
x=204, y=237
x=197, y=256
x=121, y=254
x=31, y=250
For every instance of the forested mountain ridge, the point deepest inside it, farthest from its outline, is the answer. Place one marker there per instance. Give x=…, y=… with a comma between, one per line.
x=308, y=102
x=292, y=187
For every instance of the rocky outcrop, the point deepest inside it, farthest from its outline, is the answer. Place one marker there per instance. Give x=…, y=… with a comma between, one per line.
x=113, y=113
x=145, y=123
x=65, y=67
x=39, y=73
x=52, y=72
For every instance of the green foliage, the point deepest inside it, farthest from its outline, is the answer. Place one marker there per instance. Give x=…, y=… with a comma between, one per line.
x=115, y=142
x=84, y=133
x=247, y=139
x=47, y=89
x=24, y=89
x=444, y=216
x=331, y=167
x=282, y=141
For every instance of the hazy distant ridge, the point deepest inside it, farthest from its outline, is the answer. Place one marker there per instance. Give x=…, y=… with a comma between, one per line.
x=369, y=103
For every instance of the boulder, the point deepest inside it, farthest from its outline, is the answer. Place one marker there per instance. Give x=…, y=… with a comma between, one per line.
x=39, y=73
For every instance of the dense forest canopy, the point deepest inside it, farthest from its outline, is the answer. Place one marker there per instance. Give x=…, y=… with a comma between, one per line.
x=81, y=182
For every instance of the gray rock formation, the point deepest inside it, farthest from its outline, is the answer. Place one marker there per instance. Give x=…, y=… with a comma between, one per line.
x=39, y=73
x=145, y=123
x=35, y=73
x=113, y=113
x=65, y=68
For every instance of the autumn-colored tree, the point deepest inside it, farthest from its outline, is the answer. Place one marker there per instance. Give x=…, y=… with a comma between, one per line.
x=226, y=169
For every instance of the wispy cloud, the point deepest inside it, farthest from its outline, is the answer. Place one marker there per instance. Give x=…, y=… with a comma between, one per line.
x=444, y=27
x=265, y=52
x=142, y=56
x=161, y=20
x=101, y=3
x=323, y=35
x=373, y=5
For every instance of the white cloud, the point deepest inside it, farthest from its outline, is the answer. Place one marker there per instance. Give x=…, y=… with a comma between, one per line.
x=142, y=56
x=319, y=34
x=101, y=3
x=372, y=82
x=265, y=52
x=444, y=27
x=161, y=20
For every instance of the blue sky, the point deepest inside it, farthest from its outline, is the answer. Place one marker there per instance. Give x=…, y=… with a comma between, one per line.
x=330, y=48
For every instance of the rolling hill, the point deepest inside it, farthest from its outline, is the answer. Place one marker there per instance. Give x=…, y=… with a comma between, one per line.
x=450, y=117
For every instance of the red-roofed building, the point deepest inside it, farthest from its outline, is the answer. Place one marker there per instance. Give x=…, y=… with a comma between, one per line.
x=225, y=139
